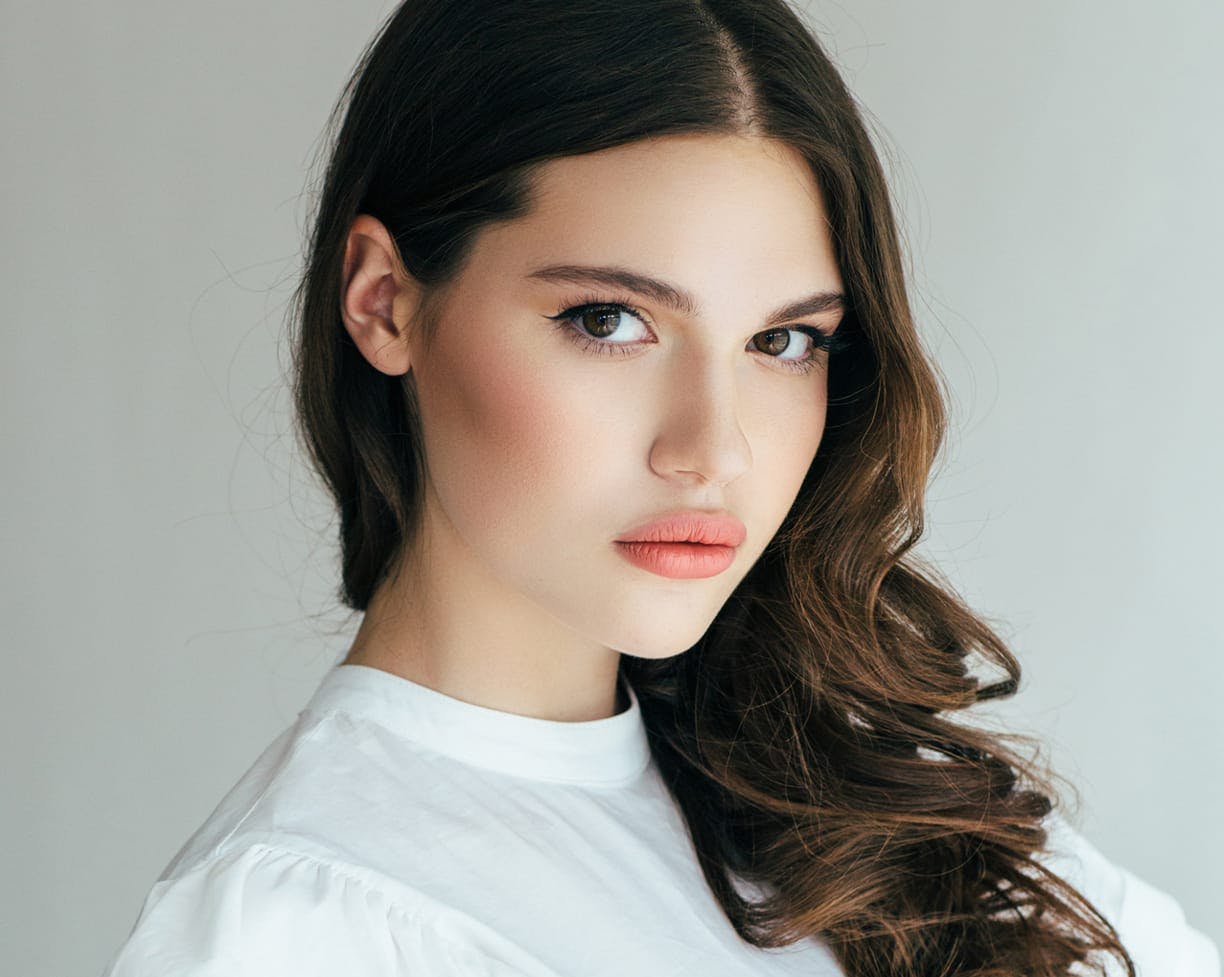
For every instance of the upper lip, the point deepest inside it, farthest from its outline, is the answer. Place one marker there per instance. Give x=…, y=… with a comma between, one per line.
x=690, y=526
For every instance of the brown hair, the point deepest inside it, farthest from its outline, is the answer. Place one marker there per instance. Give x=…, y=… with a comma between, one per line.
x=807, y=737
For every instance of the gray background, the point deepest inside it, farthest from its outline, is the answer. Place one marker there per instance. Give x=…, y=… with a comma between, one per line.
x=169, y=564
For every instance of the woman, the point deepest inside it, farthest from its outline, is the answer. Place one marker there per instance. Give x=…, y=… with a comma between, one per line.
x=604, y=354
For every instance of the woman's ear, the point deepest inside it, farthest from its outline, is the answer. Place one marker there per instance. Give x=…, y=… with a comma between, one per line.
x=378, y=299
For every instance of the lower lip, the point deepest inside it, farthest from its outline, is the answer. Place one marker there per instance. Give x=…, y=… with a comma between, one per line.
x=680, y=560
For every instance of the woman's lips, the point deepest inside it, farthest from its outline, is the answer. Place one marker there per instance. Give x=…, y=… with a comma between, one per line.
x=678, y=560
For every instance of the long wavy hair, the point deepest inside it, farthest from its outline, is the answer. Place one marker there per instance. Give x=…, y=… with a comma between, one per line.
x=807, y=737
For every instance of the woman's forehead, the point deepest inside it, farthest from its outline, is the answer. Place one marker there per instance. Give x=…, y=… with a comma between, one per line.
x=694, y=207
x=676, y=171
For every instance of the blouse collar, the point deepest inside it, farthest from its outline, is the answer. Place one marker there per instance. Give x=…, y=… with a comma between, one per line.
x=594, y=752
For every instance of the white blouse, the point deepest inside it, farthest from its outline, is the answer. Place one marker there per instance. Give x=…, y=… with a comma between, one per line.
x=394, y=831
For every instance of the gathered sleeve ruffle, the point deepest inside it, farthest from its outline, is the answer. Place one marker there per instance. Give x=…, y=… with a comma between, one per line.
x=264, y=911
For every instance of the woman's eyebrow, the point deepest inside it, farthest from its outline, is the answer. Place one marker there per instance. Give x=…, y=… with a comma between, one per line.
x=677, y=298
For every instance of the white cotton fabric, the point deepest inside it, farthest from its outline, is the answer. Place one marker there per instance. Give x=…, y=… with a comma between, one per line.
x=394, y=831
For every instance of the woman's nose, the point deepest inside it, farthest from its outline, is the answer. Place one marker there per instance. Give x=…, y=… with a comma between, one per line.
x=700, y=433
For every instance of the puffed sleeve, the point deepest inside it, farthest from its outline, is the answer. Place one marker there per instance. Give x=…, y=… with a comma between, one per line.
x=1149, y=921
x=267, y=912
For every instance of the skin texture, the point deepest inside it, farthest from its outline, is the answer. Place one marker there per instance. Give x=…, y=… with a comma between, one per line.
x=542, y=453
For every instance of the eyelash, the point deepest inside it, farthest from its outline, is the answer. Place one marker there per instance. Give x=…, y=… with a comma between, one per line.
x=832, y=342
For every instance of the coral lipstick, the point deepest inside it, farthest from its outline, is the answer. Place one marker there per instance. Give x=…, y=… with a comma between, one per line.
x=684, y=544
x=681, y=560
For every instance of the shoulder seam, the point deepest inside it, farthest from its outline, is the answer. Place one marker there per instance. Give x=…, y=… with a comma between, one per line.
x=362, y=876
x=370, y=881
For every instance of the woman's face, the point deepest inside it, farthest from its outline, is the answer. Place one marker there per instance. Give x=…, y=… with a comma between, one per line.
x=543, y=452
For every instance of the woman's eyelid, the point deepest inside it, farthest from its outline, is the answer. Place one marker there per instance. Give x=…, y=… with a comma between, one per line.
x=827, y=322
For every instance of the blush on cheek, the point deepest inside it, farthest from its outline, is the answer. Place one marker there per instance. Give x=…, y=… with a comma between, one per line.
x=496, y=438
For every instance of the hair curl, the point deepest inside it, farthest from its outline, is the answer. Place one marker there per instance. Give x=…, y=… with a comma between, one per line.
x=806, y=736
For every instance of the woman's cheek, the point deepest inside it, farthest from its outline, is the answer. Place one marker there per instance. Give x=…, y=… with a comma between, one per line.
x=500, y=432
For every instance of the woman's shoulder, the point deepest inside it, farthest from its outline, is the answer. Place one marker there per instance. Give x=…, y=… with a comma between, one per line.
x=319, y=776
x=1150, y=922
x=270, y=910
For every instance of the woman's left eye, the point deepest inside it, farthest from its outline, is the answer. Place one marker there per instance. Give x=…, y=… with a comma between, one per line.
x=590, y=324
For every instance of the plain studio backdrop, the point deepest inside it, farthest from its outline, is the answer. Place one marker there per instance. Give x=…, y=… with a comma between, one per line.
x=170, y=564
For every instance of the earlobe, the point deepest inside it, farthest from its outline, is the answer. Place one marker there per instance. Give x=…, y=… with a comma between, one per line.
x=377, y=297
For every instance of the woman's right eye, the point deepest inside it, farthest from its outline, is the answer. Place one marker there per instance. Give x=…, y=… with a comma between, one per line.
x=590, y=326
